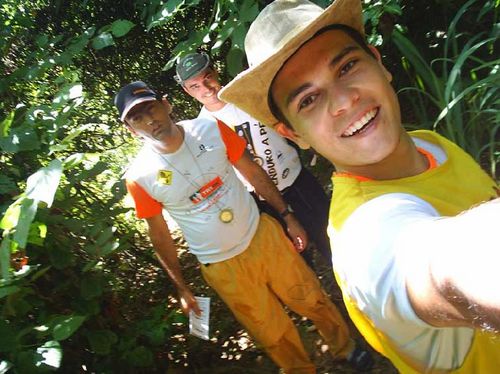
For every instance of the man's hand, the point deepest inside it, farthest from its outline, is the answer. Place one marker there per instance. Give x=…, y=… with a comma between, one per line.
x=296, y=233
x=188, y=302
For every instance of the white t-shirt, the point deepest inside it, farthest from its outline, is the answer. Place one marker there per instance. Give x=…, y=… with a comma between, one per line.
x=378, y=230
x=278, y=158
x=196, y=184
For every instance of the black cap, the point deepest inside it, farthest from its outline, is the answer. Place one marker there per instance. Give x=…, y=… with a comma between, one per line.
x=132, y=94
x=190, y=66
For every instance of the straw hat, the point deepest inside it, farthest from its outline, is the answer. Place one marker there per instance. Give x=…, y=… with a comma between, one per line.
x=277, y=32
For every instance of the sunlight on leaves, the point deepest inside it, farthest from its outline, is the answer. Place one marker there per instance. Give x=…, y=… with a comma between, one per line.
x=43, y=184
x=50, y=354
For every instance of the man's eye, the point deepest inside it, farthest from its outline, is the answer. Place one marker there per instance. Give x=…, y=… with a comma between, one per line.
x=347, y=67
x=308, y=100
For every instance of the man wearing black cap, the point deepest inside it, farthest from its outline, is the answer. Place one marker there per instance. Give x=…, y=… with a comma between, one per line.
x=186, y=168
x=277, y=157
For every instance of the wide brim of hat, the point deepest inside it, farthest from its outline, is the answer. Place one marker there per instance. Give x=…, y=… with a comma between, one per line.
x=249, y=89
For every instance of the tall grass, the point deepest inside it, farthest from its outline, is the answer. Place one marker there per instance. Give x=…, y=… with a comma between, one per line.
x=458, y=94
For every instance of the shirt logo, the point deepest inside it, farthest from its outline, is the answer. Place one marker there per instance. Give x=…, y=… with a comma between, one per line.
x=164, y=177
x=207, y=190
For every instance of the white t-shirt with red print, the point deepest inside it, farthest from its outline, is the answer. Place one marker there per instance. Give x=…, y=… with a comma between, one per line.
x=271, y=151
x=196, y=185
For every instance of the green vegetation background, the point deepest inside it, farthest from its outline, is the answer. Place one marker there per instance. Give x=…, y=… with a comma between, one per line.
x=80, y=289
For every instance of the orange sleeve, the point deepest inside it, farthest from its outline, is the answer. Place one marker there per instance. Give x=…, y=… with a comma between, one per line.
x=145, y=205
x=235, y=144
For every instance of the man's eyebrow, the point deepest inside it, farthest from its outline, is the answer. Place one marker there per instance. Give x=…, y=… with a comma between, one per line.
x=334, y=62
x=342, y=53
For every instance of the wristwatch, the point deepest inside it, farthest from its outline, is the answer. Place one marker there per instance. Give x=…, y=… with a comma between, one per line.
x=288, y=210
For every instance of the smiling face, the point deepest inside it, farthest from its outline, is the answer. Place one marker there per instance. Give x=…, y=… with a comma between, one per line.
x=339, y=100
x=204, y=88
x=151, y=120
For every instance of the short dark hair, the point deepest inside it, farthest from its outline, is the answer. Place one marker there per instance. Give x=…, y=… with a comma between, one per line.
x=353, y=33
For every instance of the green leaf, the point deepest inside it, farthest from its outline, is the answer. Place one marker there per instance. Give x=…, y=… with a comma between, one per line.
x=43, y=184
x=26, y=216
x=87, y=307
x=64, y=327
x=6, y=124
x=91, y=286
x=11, y=216
x=165, y=13
x=40, y=273
x=68, y=92
x=37, y=233
x=102, y=41
x=109, y=247
x=248, y=11
x=94, y=170
x=224, y=33
x=22, y=138
x=42, y=40
x=8, y=290
x=49, y=355
x=4, y=366
x=121, y=27
x=234, y=61
x=101, y=341
x=105, y=235
x=5, y=257
x=61, y=257
x=6, y=184
x=7, y=336
x=73, y=160
x=156, y=335
x=25, y=361
x=140, y=357
x=238, y=37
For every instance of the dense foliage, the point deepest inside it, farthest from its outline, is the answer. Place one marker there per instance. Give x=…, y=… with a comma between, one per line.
x=79, y=287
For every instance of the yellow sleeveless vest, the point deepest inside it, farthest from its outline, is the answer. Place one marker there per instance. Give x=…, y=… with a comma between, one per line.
x=450, y=188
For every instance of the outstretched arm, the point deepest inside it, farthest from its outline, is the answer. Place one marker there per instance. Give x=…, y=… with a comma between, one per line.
x=456, y=270
x=167, y=255
x=264, y=186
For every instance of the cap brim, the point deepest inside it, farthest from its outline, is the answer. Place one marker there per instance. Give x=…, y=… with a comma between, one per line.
x=134, y=103
x=249, y=89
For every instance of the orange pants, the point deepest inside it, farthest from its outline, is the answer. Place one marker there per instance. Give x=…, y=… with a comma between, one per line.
x=254, y=285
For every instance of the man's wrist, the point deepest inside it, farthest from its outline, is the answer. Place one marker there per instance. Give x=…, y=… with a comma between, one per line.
x=286, y=212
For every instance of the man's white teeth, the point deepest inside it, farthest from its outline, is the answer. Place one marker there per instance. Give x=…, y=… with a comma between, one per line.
x=358, y=125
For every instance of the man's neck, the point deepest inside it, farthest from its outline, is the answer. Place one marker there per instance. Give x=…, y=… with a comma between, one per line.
x=171, y=142
x=215, y=106
x=405, y=161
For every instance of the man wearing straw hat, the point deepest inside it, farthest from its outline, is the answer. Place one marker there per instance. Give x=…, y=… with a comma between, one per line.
x=417, y=274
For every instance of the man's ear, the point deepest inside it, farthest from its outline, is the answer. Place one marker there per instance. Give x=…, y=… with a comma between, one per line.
x=185, y=89
x=164, y=101
x=378, y=57
x=129, y=128
x=290, y=133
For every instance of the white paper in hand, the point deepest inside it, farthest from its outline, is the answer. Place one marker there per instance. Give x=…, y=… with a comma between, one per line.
x=198, y=325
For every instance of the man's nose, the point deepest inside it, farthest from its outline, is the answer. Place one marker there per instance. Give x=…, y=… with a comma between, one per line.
x=341, y=98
